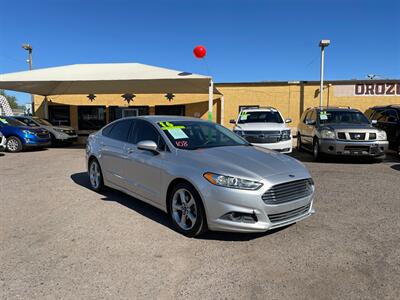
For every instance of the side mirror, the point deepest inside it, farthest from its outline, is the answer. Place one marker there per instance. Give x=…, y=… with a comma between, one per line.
x=374, y=122
x=232, y=121
x=148, y=146
x=288, y=120
x=310, y=122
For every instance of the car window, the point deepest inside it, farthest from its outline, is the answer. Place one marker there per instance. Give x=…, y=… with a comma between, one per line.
x=390, y=115
x=377, y=114
x=11, y=122
x=191, y=135
x=107, y=130
x=144, y=131
x=369, y=113
x=120, y=130
x=342, y=116
x=306, y=116
x=313, y=115
x=265, y=116
x=28, y=122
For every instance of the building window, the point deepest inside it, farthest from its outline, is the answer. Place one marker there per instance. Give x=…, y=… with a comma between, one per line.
x=248, y=106
x=116, y=112
x=91, y=117
x=170, y=110
x=59, y=115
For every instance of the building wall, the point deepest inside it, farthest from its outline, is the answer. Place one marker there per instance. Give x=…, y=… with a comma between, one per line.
x=290, y=98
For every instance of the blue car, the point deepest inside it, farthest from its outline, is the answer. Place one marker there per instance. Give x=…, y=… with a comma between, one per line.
x=19, y=136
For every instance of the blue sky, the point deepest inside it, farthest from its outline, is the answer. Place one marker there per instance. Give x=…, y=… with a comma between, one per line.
x=249, y=40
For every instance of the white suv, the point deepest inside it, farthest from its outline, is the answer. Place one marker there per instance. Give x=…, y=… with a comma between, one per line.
x=264, y=127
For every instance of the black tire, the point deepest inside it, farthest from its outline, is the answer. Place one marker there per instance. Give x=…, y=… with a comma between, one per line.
x=316, y=150
x=14, y=144
x=299, y=145
x=98, y=183
x=200, y=225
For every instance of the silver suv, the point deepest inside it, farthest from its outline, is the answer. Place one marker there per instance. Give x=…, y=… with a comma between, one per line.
x=339, y=131
x=59, y=134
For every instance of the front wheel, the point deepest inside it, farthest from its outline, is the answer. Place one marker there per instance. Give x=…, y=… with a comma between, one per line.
x=13, y=144
x=187, y=211
x=316, y=150
x=95, y=176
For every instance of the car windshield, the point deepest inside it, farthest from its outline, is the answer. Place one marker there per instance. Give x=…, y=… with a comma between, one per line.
x=11, y=122
x=43, y=122
x=267, y=116
x=342, y=116
x=190, y=135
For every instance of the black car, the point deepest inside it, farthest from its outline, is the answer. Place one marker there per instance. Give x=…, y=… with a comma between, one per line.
x=387, y=118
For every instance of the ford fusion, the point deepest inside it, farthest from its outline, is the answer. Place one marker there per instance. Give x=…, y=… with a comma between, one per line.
x=202, y=174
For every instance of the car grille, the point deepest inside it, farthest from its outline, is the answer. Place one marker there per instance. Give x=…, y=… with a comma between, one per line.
x=288, y=191
x=357, y=136
x=42, y=135
x=262, y=137
x=70, y=132
x=275, y=218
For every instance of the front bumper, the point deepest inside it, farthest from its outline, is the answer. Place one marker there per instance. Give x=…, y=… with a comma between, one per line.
x=3, y=142
x=359, y=148
x=220, y=201
x=63, y=137
x=34, y=141
x=283, y=146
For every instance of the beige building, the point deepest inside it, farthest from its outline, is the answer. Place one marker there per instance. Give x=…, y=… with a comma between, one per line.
x=90, y=112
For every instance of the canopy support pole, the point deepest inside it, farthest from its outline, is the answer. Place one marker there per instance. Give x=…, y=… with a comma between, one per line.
x=222, y=109
x=210, y=100
x=45, y=107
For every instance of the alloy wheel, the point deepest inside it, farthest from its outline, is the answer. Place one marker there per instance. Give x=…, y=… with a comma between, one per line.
x=184, y=209
x=94, y=174
x=12, y=145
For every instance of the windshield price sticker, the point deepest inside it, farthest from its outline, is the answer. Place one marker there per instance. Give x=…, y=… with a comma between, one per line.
x=244, y=116
x=175, y=131
x=323, y=115
x=4, y=121
x=183, y=144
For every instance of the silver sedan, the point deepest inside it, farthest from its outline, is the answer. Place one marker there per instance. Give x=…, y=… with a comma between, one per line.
x=202, y=174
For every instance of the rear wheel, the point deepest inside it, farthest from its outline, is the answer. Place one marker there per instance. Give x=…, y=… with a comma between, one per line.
x=299, y=145
x=95, y=176
x=13, y=144
x=186, y=210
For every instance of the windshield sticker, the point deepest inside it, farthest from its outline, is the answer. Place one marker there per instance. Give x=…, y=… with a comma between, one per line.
x=175, y=131
x=182, y=144
x=244, y=116
x=323, y=115
x=4, y=121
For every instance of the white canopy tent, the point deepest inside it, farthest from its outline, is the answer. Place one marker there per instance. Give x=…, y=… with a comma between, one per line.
x=110, y=79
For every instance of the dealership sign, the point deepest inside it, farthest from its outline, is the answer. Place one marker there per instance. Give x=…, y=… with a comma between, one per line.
x=368, y=89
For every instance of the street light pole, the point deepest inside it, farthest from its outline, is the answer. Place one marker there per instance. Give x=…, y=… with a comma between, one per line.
x=322, y=44
x=28, y=47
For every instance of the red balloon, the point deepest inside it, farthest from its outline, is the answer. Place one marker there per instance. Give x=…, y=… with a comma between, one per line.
x=199, y=51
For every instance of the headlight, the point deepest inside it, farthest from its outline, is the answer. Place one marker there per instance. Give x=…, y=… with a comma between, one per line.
x=286, y=134
x=28, y=132
x=232, y=182
x=381, y=136
x=327, y=134
x=59, y=130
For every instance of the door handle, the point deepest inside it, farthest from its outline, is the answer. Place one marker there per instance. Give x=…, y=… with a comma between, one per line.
x=130, y=150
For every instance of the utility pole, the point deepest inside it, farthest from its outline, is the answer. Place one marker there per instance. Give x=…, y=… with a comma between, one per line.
x=28, y=48
x=322, y=44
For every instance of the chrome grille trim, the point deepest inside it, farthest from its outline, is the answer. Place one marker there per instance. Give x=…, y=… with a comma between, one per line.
x=275, y=218
x=288, y=191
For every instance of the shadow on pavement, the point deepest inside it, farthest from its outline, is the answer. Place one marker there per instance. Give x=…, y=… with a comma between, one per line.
x=396, y=167
x=159, y=216
x=307, y=157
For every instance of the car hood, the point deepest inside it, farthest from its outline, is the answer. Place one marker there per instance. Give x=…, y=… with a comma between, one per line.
x=260, y=126
x=242, y=161
x=61, y=127
x=349, y=126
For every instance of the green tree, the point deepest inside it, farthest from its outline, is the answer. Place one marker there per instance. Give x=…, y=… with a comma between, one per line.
x=11, y=99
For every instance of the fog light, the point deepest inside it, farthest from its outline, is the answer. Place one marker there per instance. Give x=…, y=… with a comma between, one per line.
x=330, y=148
x=240, y=217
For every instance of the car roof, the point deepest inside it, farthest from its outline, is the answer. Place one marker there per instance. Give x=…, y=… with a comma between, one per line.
x=395, y=106
x=162, y=118
x=259, y=108
x=333, y=108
